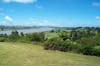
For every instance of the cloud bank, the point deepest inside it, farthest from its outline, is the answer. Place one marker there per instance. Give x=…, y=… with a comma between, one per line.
x=19, y=1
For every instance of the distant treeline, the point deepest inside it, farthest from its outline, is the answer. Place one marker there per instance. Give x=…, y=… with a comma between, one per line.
x=21, y=37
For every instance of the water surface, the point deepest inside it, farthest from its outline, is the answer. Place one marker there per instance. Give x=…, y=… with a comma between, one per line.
x=27, y=30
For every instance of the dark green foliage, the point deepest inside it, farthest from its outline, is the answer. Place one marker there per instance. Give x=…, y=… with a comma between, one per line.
x=36, y=37
x=59, y=44
x=33, y=37
x=2, y=39
x=14, y=36
x=86, y=46
x=86, y=50
x=66, y=46
x=3, y=35
x=73, y=35
x=64, y=35
x=79, y=41
x=52, y=31
x=53, y=43
x=96, y=50
x=87, y=41
x=22, y=34
x=97, y=38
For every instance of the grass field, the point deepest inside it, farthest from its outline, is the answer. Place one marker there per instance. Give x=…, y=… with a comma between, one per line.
x=51, y=35
x=22, y=54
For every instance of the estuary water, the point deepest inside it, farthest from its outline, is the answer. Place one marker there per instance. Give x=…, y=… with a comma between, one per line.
x=27, y=30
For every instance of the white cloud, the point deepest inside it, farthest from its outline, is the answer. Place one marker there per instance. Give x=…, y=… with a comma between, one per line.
x=97, y=17
x=8, y=19
x=97, y=4
x=20, y=1
x=43, y=22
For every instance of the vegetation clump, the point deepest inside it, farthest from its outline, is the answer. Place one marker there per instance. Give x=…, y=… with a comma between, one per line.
x=79, y=40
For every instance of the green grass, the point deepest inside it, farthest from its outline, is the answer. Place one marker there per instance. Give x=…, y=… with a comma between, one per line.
x=51, y=35
x=22, y=54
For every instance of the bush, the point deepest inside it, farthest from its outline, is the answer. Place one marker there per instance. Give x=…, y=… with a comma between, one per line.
x=66, y=46
x=53, y=43
x=87, y=42
x=64, y=35
x=59, y=44
x=96, y=50
x=86, y=45
x=3, y=39
x=86, y=50
x=52, y=31
x=35, y=37
x=22, y=34
x=14, y=36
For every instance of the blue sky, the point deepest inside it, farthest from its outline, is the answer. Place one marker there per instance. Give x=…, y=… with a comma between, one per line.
x=69, y=13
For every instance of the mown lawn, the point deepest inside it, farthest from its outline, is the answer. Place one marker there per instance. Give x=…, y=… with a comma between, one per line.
x=22, y=54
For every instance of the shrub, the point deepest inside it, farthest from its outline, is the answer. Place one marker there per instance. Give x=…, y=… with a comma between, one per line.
x=59, y=44
x=3, y=39
x=52, y=31
x=64, y=35
x=14, y=36
x=35, y=37
x=53, y=43
x=67, y=46
x=22, y=34
x=86, y=50
x=87, y=42
x=96, y=50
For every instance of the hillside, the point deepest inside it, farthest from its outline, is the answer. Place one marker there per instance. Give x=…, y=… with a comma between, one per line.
x=22, y=54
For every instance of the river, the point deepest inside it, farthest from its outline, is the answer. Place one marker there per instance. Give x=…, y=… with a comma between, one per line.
x=27, y=30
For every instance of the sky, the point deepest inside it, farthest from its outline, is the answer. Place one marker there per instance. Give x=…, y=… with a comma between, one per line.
x=63, y=13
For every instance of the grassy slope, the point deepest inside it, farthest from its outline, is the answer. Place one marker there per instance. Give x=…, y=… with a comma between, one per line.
x=20, y=54
x=51, y=35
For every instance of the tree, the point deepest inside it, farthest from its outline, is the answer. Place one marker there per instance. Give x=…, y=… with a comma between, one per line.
x=86, y=45
x=97, y=38
x=53, y=43
x=96, y=50
x=22, y=34
x=14, y=36
x=36, y=36
x=73, y=35
x=64, y=35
